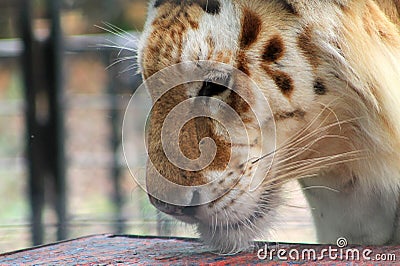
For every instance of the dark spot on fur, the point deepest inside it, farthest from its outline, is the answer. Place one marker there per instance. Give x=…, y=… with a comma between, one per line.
x=242, y=63
x=319, y=87
x=343, y=7
x=287, y=115
x=193, y=24
x=350, y=184
x=161, y=2
x=308, y=47
x=240, y=105
x=273, y=50
x=251, y=28
x=288, y=7
x=283, y=81
x=209, y=6
x=397, y=4
x=244, y=69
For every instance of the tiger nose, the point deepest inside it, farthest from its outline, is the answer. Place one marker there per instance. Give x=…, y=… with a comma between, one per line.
x=172, y=209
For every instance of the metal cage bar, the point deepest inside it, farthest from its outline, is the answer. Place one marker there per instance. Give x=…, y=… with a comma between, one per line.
x=42, y=68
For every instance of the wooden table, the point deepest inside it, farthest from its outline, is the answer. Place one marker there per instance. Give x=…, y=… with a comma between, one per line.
x=134, y=250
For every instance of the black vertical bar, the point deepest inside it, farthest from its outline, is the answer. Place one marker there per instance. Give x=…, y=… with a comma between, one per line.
x=56, y=115
x=115, y=143
x=36, y=179
x=42, y=67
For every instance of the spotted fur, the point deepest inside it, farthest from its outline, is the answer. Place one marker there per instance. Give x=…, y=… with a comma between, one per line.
x=330, y=71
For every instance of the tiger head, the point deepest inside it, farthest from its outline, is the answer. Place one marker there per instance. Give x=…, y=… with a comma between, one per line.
x=281, y=89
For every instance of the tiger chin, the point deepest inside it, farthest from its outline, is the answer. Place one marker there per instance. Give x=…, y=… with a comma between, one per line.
x=329, y=72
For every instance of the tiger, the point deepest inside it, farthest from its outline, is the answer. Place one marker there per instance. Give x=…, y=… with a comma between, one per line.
x=329, y=71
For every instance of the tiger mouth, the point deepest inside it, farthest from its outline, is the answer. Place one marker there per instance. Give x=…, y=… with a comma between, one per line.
x=260, y=211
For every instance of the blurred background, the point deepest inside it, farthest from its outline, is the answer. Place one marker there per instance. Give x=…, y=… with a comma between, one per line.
x=64, y=87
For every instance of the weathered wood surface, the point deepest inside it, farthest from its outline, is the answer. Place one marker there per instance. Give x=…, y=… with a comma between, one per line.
x=132, y=250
